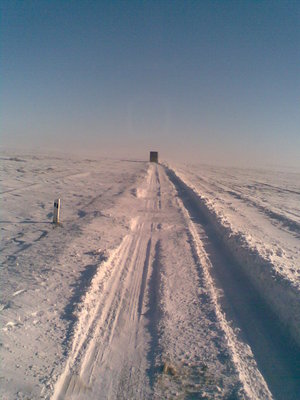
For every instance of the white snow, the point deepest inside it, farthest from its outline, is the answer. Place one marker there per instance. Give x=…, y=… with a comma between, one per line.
x=126, y=297
x=256, y=213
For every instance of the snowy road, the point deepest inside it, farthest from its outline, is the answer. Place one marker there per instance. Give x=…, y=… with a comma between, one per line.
x=154, y=301
x=108, y=353
x=275, y=352
x=166, y=313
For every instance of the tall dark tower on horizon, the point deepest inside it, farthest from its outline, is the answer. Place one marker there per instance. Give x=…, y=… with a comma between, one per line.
x=154, y=156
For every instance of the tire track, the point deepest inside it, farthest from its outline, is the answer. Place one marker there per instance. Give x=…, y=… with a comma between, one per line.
x=275, y=355
x=108, y=351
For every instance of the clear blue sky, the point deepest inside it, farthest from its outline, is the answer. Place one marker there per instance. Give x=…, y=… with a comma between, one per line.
x=203, y=81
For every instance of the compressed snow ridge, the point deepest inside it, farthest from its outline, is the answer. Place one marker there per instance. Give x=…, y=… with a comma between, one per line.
x=253, y=381
x=282, y=294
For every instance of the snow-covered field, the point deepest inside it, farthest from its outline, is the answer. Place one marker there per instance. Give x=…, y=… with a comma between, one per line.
x=161, y=281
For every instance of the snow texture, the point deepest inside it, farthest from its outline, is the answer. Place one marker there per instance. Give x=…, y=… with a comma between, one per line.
x=159, y=283
x=256, y=214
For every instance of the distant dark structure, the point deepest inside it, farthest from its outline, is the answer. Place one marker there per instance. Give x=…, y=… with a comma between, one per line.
x=154, y=156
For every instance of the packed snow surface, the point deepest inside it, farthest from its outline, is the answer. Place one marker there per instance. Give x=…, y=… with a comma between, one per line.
x=262, y=205
x=141, y=291
x=257, y=214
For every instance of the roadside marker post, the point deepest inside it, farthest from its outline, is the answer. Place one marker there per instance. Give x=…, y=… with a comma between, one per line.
x=56, y=211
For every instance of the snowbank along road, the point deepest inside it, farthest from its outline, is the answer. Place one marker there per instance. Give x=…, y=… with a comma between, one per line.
x=169, y=313
x=149, y=306
x=153, y=303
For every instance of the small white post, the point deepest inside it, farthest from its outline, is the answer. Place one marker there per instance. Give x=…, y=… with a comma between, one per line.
x=56, y=211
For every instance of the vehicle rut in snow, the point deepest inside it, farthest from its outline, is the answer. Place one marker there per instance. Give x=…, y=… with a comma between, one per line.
x=108, y=351
x=277, y=356
x=153, y=325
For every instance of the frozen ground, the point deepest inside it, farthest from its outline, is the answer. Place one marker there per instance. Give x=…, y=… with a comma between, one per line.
x=144, y=290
